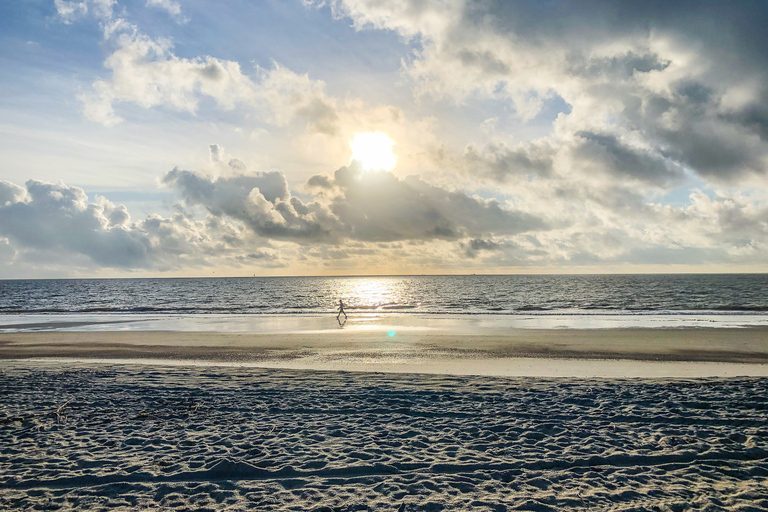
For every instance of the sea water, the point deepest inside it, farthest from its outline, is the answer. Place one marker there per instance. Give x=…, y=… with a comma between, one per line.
x=250, y=303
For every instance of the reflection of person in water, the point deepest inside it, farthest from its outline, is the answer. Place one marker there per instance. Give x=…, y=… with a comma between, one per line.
x=341, y=310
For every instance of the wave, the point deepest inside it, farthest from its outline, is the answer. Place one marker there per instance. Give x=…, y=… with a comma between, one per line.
x=387, y=310
x=456, y=295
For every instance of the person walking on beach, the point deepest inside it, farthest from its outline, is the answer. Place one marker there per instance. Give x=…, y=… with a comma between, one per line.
x=341, y=310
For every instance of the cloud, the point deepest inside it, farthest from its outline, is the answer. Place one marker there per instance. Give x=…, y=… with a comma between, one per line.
x=499, y=161
x=359, y=219
x=727, y=220
x=54, y=216
x=172, y=7
x=352, y=205
x=70, y=11
x=656, y=86
x=245, y=218
x=260, y=200
x=290, y=95
x=477, y=245
x=608, y=153
x=11, y=193
x=146, y=72
x=52, y=222
x=378, y=206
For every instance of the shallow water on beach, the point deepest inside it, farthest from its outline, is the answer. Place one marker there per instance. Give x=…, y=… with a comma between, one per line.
x=367, y=321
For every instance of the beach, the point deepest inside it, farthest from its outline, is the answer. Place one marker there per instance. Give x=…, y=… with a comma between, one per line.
x=368, y=255
x=431, y=344
x=143, y=437
x=359, y=419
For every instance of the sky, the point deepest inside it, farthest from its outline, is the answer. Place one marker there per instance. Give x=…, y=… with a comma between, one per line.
x=361, y=137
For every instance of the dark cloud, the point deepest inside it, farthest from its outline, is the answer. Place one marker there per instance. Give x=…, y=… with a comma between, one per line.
x=485, y=61
x=224, y=194
x=477, y=245
x=354, y=205
x=264, y=258
x=377, y=206
x=616, y=67
x=212, y=70
x=499, y=161
x=319, y=181
x=613, y=156
x=695, y=92
x=690, y=127
x=720, y=24
x=753, y=116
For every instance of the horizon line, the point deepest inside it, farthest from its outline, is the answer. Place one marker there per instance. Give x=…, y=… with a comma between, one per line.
x=388, y=275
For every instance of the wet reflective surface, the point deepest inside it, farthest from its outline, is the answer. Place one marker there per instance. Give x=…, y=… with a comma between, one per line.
x=472, y=295
x=390, y=324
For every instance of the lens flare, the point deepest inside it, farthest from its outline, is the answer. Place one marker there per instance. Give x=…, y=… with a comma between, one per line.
x=391, y=334
x=374, y=151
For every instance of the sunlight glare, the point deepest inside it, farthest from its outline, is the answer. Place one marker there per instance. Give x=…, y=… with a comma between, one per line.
x=374, y=151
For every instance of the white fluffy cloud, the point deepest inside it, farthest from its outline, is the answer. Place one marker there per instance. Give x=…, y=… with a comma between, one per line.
x=261, y=201
x=54, y=216
x=146, y=72
x=172, y=7
x=11, y=193
x=69, y=11
x=50, y=221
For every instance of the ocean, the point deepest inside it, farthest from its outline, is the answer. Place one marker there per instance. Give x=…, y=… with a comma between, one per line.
x=532, y=300
x=475, y=294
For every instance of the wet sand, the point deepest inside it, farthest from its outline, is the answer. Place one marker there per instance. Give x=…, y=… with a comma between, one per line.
x=515, y=352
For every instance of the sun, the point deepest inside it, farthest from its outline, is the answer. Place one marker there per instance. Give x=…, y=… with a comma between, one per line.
x=373, y=150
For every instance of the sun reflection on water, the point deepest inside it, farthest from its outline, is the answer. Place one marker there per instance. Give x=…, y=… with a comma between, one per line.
x=375, y=293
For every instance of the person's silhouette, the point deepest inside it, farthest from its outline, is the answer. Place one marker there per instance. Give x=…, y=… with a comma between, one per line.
x=341, y=310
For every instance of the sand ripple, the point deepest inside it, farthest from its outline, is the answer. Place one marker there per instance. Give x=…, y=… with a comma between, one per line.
x=131, y=437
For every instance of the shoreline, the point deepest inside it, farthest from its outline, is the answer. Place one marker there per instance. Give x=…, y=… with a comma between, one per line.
x=659, y=352
x=453, y=323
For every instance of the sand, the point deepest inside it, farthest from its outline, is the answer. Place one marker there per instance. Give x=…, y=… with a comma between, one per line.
x=632, y=352
x=142, y=437
x=523, y=419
